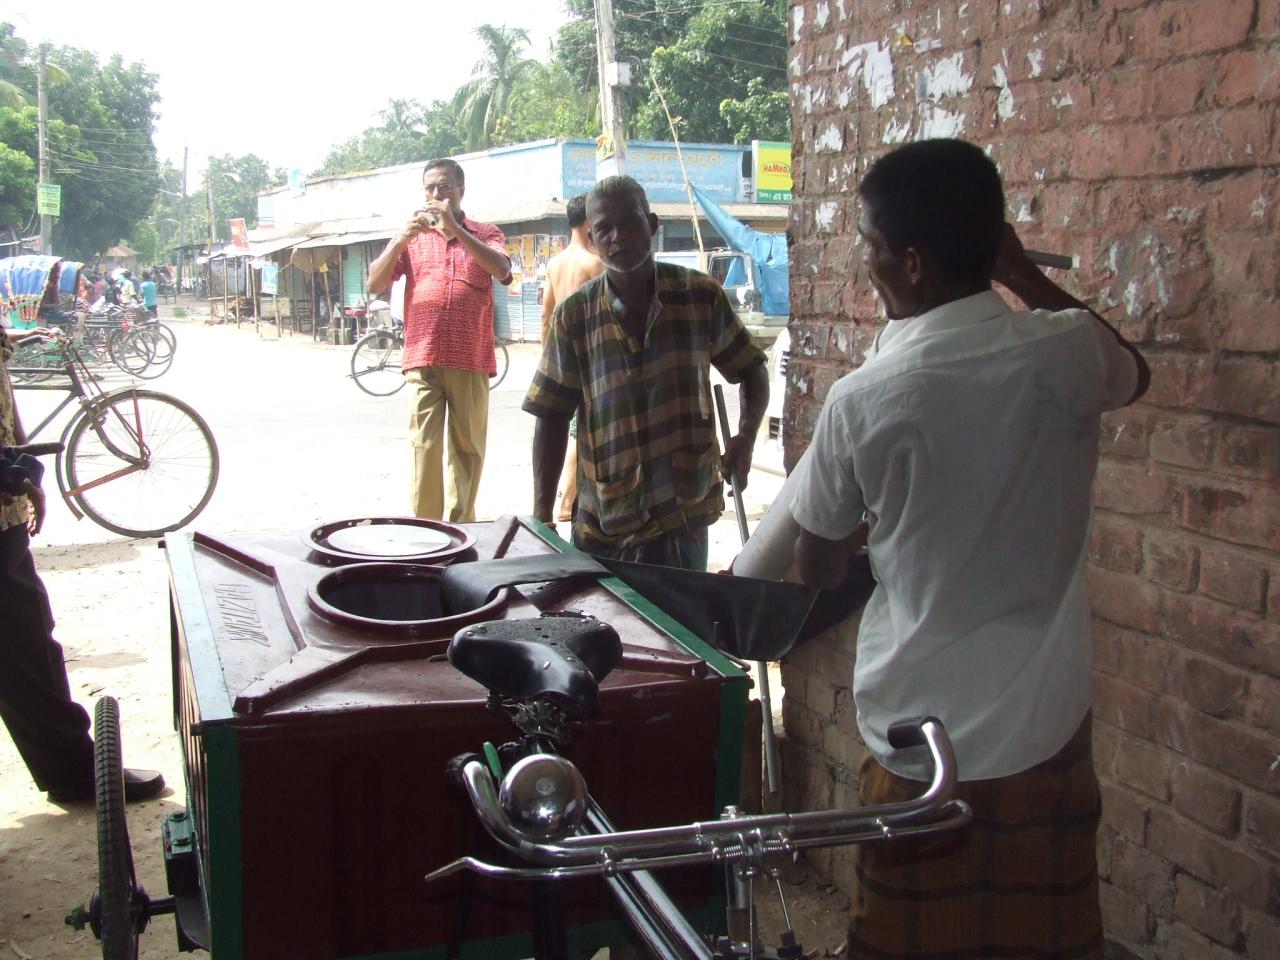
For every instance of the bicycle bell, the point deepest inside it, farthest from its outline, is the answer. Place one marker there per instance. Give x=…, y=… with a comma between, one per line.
x=544, y=796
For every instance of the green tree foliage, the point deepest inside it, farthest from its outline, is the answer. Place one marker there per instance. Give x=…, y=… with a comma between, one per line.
x=762, y=115
x=100, y=146
x=546, y=103
x=481, y=101
x=409, y=133
x=234, y=183
x=701, y=53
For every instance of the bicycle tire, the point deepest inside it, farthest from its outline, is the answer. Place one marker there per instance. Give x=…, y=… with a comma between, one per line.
x=502, y=358
x=375, y=363
x=180, y=467
x=33, y=355
x=130, y=352
x=161, y=346
x=117, y=926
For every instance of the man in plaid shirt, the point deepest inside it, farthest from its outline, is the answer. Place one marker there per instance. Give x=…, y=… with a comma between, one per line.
x=631, y=352
x=449, y=262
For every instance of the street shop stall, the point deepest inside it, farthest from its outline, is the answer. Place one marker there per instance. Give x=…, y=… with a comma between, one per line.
x=317, y=715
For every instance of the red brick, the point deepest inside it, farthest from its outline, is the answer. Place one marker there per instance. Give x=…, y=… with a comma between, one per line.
x=1126, y=600
x=1116, y=545
x=1249, y=324
x=1212, y=913
x=1246, y=199
x=1123, y=706
x=1247, y=513
x=1217, y=863
x=1231, y=749
x=1146, y=875
x=1141, y=660
x=1262, y=825
x=1137, y=490
x=1178, y=87
x=1218, y=140
x=1262, y=707
x=1247, y=75
x=1123, y=94
x=1273, y=595
x=1245, y=262
x=1206, y=798
x=1177, y=941
x=1126, y=916
x=1176, y=378
x=1179, y=28
x=1143, y=767
x=1214, y=689
x=1221, y=631
x=1172, y=561
x=1126, y=433
x=1183, y=443
x=1124, y=811
x=1262, y=936
x=1233, y=577
x=1249, y=451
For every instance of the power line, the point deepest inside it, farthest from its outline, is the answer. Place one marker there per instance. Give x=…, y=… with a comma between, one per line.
x=758, y=43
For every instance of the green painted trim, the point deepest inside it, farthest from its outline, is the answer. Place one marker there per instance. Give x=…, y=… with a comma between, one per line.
x=650, y=611
x=224, y=888
x=206, y=667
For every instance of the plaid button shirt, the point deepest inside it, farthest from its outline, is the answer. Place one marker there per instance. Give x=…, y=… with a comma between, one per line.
x=647, y=453
x=448, y=301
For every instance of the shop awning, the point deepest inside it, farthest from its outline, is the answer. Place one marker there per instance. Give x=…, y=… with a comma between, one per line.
x=344, y=239
x=260, y=248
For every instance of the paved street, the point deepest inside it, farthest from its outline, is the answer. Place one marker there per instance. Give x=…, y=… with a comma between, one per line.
x=299, y=444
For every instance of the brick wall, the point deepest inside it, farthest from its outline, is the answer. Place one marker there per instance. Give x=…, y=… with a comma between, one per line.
x=1140, y=135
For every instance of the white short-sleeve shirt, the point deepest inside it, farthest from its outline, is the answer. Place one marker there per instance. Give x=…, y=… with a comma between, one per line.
x=969, y=439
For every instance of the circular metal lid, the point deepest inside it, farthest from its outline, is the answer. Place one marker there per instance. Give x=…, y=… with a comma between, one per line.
x=389, y=539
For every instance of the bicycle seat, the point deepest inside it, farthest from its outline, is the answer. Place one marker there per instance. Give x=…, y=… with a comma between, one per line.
x=561, y=657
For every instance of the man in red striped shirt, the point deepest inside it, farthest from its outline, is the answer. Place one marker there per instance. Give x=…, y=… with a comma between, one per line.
x=449, y=262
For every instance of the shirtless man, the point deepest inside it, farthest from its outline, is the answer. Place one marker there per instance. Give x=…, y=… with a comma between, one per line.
x=566, y=272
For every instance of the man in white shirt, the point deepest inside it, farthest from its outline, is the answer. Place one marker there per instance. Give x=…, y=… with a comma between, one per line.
x=965, y=447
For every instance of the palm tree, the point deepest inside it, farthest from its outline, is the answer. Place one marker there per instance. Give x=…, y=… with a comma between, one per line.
x=483, y=99
x=401, y=115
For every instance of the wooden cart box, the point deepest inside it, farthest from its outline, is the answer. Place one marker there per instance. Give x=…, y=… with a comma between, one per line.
x=318, y=793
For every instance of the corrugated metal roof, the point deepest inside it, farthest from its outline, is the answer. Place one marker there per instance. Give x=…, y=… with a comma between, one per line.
x=343, y=239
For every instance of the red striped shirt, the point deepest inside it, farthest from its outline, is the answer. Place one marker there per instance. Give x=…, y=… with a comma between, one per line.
x=448, y=300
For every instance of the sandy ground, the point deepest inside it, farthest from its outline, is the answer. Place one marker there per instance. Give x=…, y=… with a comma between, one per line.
x=299, y=444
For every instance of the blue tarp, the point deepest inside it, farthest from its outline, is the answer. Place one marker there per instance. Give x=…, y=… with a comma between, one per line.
x=25, y=277
x=67, y=279
x=768, y=250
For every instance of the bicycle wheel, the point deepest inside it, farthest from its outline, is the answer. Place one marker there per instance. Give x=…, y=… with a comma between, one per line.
x=40, y=358
x=117, y=928
x=130, y=351
x=375, y=363
x=141, y=463
x=503, y=360
x=160, y=345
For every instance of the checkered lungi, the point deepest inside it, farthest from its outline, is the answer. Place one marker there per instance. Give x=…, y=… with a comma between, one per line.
x=1020, y=882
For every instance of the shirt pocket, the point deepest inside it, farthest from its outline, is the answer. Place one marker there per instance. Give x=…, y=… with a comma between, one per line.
x=620, y=495
x=472, y=274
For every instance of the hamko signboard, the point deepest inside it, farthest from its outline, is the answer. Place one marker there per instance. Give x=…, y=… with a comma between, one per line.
x=49, y=199
x=771, y=171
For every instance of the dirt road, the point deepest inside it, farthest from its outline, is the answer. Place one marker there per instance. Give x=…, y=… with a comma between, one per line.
x=299, y=444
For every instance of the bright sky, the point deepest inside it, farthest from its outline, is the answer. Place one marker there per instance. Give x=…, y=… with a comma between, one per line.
x=279, y=80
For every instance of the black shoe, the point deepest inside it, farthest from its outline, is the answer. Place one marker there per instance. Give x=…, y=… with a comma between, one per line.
x=138, y=785
x=142, y=784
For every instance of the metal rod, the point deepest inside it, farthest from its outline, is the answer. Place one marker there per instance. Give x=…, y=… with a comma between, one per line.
x=766, y=701
x=1042, y=259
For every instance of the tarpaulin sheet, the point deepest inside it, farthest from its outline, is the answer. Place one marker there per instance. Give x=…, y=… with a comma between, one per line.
x=67, y=279
x=768, y=250
x=22, y=278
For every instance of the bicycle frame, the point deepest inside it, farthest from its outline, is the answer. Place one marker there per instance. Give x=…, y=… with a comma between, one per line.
x=91, y=401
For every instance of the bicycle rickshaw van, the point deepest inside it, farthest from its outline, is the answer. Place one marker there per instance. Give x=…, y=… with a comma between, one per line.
x=315, y=756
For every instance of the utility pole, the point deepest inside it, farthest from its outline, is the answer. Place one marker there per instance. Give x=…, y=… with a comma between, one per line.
x=182, y=223
x=208, y=192
x=611, y=148
x=42, y=133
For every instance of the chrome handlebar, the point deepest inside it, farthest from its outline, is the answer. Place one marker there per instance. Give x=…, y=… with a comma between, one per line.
x=734, y=839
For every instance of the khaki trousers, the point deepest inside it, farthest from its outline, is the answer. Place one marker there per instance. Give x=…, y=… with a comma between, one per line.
x=460, y=399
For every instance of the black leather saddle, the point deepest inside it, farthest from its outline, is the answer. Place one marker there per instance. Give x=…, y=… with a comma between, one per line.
x=560, y=657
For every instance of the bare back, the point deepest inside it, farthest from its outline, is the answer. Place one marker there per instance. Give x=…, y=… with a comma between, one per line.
x=566, y=272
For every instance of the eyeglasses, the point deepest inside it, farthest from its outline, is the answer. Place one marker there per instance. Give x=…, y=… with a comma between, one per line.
x=443, y=189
